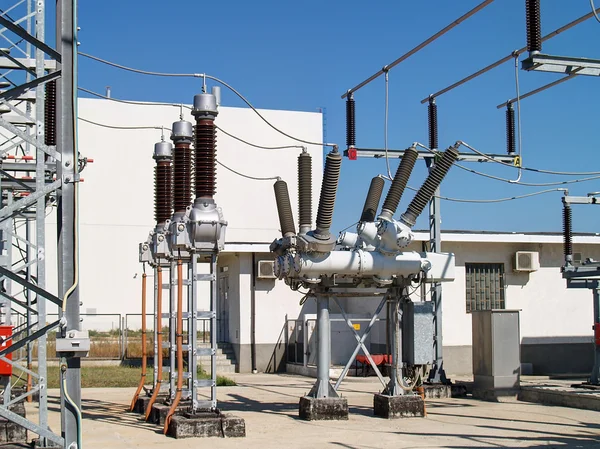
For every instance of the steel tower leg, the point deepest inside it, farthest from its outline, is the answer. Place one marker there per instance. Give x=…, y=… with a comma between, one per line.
x=172, y=327
x=67, y=203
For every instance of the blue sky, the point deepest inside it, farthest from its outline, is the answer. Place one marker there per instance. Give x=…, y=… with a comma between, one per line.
x=304, y=55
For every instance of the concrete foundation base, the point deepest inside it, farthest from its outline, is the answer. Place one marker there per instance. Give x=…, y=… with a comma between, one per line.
x=437, y=391
x=405, y=406
x=141, y=405
x=206, y=424
x=496, y=395
x=160, y=411
x=313, y=409
x=11, y=432
x=561, y=397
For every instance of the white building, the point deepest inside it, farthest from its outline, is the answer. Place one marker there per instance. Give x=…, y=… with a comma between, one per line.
x=116, y=213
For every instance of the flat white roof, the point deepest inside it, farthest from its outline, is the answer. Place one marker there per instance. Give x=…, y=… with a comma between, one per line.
x=454, y=236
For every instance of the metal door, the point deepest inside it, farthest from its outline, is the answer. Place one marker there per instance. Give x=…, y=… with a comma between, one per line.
x=223, y=310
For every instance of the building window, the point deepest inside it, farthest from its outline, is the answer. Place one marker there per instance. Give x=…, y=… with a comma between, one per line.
x=485, y=286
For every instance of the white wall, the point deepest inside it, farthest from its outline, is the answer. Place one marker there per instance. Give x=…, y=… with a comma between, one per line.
x=548, y=308
x=116, y=197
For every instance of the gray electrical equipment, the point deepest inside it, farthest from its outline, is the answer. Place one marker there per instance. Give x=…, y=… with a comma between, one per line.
x=496, y=353
x=190, y=229
x=371, y=263
x=418, y=330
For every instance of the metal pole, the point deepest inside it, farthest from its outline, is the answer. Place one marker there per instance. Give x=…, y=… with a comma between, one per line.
x=28, y=298
x=213, y=329
x=67, y=258
x=193, y=330
x=172, y=324
x=595, y=377
x=322, y=388
x=437, y=373
x=156, y=330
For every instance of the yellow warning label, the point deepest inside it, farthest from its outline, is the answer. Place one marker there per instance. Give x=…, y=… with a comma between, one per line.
x=517, y=161
x=356, y=327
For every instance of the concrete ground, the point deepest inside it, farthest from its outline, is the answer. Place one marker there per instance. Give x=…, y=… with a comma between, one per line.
x=269, y=404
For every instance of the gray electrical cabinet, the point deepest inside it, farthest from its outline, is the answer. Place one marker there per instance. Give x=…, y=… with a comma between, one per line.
x=496, y=351
x=418, y=332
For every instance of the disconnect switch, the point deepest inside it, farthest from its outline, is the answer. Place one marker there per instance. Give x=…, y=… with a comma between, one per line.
x=75, y=344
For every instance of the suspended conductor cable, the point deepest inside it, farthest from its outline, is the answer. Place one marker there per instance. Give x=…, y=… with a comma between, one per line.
x=205, y=76
x=282, y=147
x=254, y=178
x=497, y=200
x=144, y=103
x=122, y=127
x=520, y=151
x=385, y=124
x=594, y=10
x=180, y=106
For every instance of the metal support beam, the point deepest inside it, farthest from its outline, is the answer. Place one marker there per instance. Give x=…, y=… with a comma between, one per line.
x=562, y=64
x=23, y=34
x=322, y=387
x=68, y=287
x=361, y=341
x=467, y=157
x=34, y=288
x=595, y=377
x=45, y=433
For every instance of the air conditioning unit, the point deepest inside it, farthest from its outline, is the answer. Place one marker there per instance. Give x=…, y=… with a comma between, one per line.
x=266, y=269
x=527, y=261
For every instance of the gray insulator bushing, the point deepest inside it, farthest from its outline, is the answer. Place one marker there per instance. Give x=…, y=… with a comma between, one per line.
x=331, y=176
x=427, y=190
x=394, y=195
x=373, y=197
x=284, y=208
x=305, y=192
x=205, y=105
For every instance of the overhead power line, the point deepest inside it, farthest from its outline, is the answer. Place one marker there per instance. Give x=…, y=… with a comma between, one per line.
x=205, y=76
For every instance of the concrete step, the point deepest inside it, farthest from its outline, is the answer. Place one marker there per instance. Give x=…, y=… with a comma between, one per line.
x=219, y=357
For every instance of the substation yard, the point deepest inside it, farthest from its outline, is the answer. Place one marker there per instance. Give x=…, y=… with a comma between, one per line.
x=269, y=405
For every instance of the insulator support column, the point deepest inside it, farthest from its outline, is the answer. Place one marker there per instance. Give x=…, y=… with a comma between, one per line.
x=331, y=176
x=182, y=166
x=372, y=202
x=427, y=190
x=284, y=208
x=50, y=114
x=305, y=192
x=392, y=199
x=568, y=234
x=205, y=111
x=163, y=182
x=350, y=122
x=534, y=26
x=511, y=145
x=433, y=123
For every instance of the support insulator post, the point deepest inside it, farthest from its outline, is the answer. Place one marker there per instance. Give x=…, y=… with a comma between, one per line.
x=205, y=111
x=427, y=190
x=432, y=121
x=511, y=145
x=163, y=182
x=373, y=197
x=568, y=234
x=534, y=26
x=392, y=199
x=350, y=122
x=182, y=165
x=50, y=114
x=305, y=192
x=331, y=176
x=284, y=208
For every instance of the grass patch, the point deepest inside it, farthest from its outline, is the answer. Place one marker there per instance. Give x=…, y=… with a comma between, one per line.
x=117, y=376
